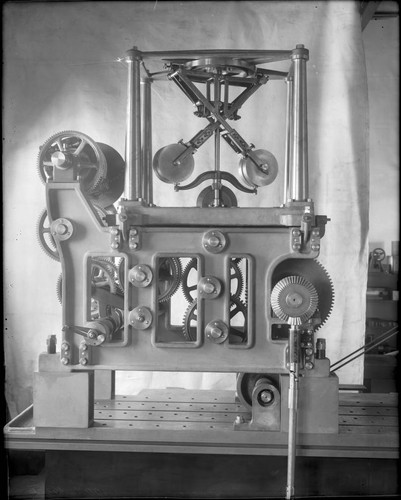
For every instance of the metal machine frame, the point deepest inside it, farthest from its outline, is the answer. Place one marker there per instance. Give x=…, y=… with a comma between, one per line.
x=259, y=295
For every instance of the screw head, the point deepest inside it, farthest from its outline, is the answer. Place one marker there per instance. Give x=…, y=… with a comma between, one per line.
x=83, y=361
x=65, y=361
x=266, y=396
x=139, y=276
x=92, y=334
x=61, y=229
x=214, y=241
x=216, y=332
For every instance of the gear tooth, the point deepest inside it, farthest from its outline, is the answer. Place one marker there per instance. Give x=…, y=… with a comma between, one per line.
x=59, y=288
x=186, y=327
x=192, y=264
x=120, y=274
x=176, y=275
x=240, y=278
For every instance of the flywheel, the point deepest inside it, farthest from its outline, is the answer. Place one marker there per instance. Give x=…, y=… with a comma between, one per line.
x=100, y=168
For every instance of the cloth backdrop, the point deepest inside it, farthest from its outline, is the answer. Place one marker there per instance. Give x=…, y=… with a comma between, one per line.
x=62, y=72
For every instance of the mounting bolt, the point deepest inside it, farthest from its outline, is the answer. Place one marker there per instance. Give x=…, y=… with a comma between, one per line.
x=83, y=361
x=216, y=332
x=309, y=365
x=65, y=361
x=139, y=275
x=266, y=396
x=92, y=334
x=65, y=346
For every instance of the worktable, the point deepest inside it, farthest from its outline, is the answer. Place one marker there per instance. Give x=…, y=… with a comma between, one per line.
x=182, y=443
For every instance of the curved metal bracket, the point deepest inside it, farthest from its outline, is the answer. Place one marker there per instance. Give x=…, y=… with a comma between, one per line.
x=226, y=176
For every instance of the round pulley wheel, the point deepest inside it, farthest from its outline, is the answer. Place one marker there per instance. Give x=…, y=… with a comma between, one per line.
x=246, y=383
x=167, y=169
x=260, y=176
x=206, y=198
x=100, y=168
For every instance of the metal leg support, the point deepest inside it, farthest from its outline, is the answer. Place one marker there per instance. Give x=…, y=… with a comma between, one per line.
x=292, y=406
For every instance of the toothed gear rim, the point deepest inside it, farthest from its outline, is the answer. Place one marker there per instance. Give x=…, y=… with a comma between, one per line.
x=191, y=315
x=59, y=288
x=89, y=153
x=103, y=265
x=174, y=271
x=294, y=300
x=235, y=274
x=41, y=231
x=316, y=274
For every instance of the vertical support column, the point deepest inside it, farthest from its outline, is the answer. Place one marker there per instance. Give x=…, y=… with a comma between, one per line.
x=133, y=170
x=299, y=160
x=288, y=139
x=147, y=179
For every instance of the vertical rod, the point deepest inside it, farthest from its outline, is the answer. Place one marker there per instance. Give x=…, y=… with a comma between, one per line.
x=147, y=181
x=292, y=408
x=288, y=140
x=133, y=168
x=217, y=179
x=299, y=167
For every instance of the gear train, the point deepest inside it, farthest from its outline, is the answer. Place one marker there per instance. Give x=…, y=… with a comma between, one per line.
x=213, y=287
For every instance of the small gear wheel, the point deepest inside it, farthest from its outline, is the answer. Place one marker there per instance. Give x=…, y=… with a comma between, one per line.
x=45, y=237
x=294, y=300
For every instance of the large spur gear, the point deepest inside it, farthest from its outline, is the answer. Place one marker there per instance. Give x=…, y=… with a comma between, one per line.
x=190, y=282
x=238, y=333
x=100, y=168
x=46, y=239
x=294, y=300
x=315, y=274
